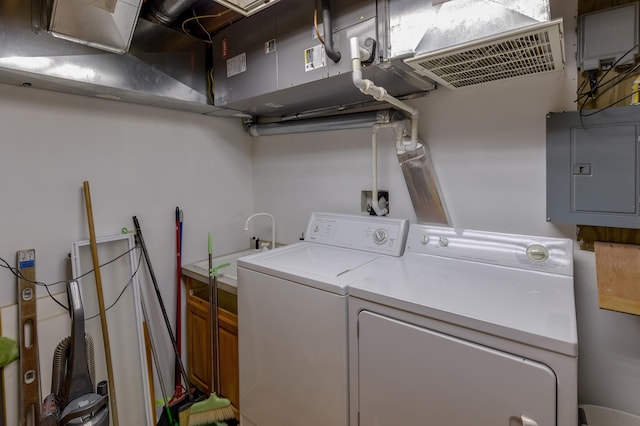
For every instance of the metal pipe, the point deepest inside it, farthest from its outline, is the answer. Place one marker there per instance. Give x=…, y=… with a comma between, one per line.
x=360, y=120
x=166, y=11
x=328, y=34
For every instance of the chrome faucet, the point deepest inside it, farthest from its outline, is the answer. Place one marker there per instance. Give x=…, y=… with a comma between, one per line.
x=273, y=226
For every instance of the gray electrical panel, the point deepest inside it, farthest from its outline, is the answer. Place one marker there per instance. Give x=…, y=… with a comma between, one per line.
x=592, y=168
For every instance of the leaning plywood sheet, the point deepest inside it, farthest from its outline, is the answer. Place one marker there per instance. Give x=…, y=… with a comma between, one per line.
x=618, y=274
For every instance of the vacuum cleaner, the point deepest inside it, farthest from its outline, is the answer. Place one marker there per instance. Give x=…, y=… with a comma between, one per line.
x=73, y=400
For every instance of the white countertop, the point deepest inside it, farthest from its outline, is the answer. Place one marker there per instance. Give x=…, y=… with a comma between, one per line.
x=227, y=277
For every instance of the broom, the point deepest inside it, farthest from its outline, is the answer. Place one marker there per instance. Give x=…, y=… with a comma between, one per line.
x=215, y=408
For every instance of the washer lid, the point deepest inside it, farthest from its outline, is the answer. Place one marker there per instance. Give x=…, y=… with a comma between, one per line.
x=315, y=265
x=532, y=307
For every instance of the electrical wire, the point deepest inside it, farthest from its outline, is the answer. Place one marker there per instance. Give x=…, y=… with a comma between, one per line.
x=609, y=106
x=210, y=86
x=598, y=85
x=16, y=272
x=625, y=76
x=202, y=27
x=122, y=291
x=315, y=24
x=197, y=19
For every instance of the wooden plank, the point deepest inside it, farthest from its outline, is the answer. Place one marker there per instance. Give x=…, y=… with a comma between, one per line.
x=618, y=276
x=588, y=235
x=149, y=355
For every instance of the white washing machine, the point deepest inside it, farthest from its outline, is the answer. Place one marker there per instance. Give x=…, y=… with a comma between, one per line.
x=292, y=319
x=466, y=328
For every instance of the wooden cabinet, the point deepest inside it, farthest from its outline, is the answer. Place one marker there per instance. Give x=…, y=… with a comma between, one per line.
x=200, y=358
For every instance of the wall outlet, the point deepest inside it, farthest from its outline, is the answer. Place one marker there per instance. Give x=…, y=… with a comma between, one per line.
x=365, y=201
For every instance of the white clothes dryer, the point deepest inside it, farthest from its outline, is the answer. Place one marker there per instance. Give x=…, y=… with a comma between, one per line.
x=292, y=319
x=466, y=328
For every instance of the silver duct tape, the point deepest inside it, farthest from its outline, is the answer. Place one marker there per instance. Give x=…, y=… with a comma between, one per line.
x=420, y=177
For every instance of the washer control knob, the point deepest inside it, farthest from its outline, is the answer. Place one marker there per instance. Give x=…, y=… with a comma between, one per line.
x=380, y=236
x=444, y=241
x=537, y=253
x=425, y=240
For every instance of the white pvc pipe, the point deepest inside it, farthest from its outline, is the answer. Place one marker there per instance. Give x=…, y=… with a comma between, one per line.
x=375, y=203
x=379, y=93
x=397, y=126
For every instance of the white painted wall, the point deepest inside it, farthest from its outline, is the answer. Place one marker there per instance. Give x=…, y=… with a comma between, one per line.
x=488, y=146
x=139, y=161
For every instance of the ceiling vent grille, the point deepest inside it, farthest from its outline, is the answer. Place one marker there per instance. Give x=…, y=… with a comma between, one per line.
x=532, y=50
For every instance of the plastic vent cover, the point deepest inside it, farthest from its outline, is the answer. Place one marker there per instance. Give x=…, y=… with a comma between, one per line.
x=535, y=49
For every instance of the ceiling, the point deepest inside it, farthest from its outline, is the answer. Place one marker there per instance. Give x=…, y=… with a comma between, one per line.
x=203, y=15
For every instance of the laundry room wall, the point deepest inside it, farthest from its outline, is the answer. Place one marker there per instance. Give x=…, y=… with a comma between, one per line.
x=139, y=161
x=488, y=148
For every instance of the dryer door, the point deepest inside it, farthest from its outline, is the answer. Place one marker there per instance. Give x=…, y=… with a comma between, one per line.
x=414, y=376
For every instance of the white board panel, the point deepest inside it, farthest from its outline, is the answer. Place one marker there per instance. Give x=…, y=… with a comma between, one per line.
x=121, y=293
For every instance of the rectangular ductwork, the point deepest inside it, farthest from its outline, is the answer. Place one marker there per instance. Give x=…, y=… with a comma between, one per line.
x=277, y=64
x=103, y=24
x=273, y=64
x=163, y=67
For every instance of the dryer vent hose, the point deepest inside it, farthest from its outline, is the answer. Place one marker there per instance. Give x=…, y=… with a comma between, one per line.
x=60, y=358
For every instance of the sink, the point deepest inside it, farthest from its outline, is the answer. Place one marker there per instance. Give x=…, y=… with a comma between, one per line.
x=228, y=275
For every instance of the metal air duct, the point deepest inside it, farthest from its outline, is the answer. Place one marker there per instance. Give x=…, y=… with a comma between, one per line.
x=163, y=67
x=469, y=42
x=166, y=11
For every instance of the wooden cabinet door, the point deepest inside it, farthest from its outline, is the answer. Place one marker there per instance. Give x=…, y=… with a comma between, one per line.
x=229, y=356
x=198, y=345
x=199, y=357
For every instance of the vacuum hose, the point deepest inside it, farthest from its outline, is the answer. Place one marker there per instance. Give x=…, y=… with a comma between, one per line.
x=60, y=357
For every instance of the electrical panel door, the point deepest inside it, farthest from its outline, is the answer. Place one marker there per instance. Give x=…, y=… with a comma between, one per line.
x=592, y=167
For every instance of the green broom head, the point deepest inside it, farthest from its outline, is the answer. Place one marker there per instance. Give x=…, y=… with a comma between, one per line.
x=210, y=411
x=8, y=351
x=214, y=402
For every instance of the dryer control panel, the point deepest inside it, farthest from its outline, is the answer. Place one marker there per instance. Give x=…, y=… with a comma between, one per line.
x=376, y=234
x=553, y=255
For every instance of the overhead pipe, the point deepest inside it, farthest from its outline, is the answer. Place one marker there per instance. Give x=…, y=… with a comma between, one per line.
x=167, y=11
x=380, y=94
x=328, y=33
x=360, y=120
